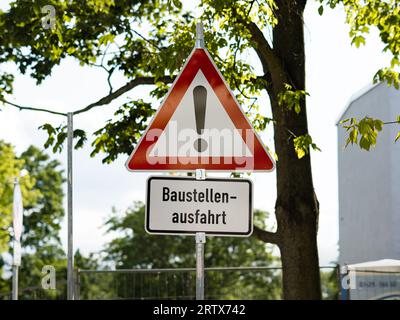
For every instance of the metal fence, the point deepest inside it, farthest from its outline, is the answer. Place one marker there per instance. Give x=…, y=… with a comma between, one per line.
x=248, y=283
x=255, y=283
x=38, y=293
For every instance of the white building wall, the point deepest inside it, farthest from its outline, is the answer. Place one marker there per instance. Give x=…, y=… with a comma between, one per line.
x=394, y=102
x=369, y=184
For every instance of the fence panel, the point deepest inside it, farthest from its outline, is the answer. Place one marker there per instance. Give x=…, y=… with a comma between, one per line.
x=255, y=283
x=248, y=283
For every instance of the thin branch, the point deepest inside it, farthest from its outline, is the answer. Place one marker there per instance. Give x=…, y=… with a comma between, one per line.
x=266, y=236
x=392, y=122
x=102, y=66
x=103, y=101
x=97, y=66
x=147, y=40
x=234, y=67
x=263, y=49
x=32, y=108
x=270, y=61
x=130, y=85
x=110, y=72
x=104, y=54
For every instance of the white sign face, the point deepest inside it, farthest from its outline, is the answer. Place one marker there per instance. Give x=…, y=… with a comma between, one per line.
x=216, y=126
x=186, y=206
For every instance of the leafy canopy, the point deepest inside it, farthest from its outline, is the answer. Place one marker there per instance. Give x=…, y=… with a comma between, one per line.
x=147, y=41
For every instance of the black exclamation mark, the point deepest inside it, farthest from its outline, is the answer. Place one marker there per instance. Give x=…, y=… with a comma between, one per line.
x=200, y=102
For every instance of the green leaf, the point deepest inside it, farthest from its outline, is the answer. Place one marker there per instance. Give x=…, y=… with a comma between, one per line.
x=315, y=147
x=358, y=40
x=363, y=127
x=300, y=153
x=177, y=3
x=321, y=10
x=344, y=121
x=365, y=143
x=353, y=136
x=291, y=99
x=302, y=145
x=297, y=108
x=378, y=124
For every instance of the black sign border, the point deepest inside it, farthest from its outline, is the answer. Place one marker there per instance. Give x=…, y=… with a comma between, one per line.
x=192, y=233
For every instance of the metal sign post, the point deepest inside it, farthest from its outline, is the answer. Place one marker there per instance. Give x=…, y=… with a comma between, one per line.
x=15, y=283
x=200, y=242
x=70, y=271
x=199, y=36
x=18, y=212
x=15, y=266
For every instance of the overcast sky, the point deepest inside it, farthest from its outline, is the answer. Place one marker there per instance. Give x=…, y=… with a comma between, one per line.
x=335, y=71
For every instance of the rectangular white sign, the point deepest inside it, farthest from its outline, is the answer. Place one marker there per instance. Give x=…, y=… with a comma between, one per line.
x=177, y=205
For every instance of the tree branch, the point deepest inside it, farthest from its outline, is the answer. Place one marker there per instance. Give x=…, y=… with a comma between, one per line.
x=147, y=40
x=130, y=85
x=105, y=100
x=32, y=108
x=109, y=72
x=266, y=236
x=270, y=61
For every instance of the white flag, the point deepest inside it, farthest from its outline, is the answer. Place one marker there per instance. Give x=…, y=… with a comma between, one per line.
x=18, y=213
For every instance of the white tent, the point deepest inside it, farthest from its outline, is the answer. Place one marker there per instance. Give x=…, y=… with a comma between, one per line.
x=376, y=280
x=384, y=265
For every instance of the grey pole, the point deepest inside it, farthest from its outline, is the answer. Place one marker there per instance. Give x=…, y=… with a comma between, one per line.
x=77, y=285
x=15, y=283
x=70, y=271
x=199, y=36
x=200, y=242
x=14, y=295
x=200, y=175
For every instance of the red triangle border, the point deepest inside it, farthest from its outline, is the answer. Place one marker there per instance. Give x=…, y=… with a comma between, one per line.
x=200, y=59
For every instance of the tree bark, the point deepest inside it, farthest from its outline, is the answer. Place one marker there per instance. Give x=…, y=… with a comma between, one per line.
x=296, y=206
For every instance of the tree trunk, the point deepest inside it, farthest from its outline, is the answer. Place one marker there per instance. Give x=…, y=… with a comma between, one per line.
x=296, y=205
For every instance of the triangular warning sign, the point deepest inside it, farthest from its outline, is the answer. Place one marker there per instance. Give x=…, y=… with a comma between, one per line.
x=200, y=125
